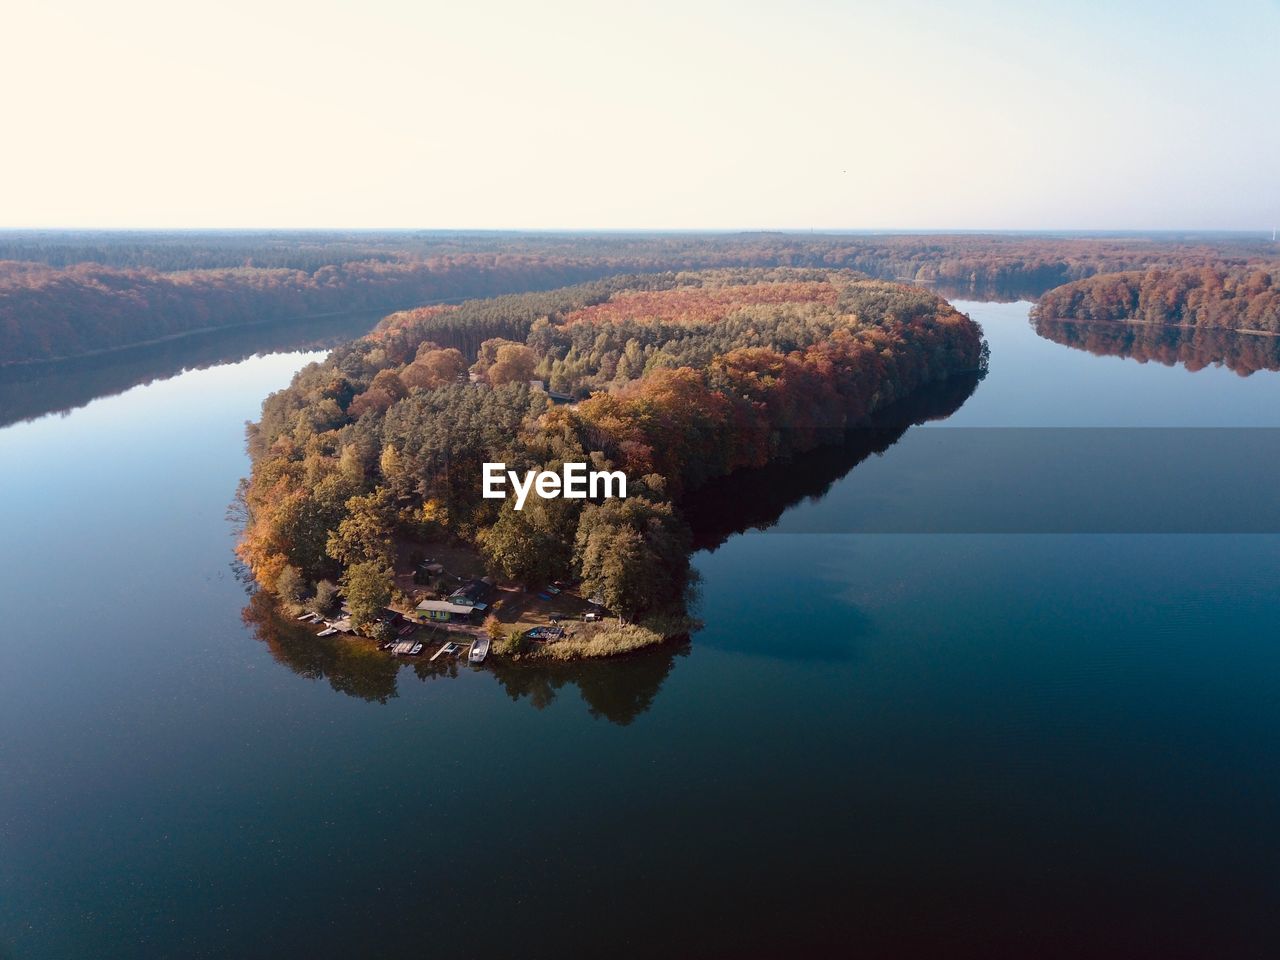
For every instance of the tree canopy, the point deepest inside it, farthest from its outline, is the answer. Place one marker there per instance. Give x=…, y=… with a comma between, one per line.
x=1211, y=296
x=678, y=378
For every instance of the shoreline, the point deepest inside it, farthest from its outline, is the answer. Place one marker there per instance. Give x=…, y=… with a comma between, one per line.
x=379, y=312
x=603, y=640
x=1244, y=331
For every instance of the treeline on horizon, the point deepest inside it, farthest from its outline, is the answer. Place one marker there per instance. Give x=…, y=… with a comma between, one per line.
x=682, y=378
x=70, y=294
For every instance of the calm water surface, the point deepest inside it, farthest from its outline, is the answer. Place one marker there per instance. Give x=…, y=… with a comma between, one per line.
x=889, y=745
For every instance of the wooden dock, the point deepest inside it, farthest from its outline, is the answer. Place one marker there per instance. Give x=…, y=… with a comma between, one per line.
x=450, y=647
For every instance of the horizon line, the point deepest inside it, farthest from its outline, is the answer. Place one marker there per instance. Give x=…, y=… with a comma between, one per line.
x=835, y=231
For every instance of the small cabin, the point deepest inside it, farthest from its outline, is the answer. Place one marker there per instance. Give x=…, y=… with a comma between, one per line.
x=473, y=593
x=444, y=610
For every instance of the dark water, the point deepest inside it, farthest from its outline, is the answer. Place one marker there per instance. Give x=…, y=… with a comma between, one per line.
x=900, y=745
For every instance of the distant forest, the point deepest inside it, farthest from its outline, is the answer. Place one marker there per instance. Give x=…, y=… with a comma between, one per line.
x=1212, y=296
x=67, y=294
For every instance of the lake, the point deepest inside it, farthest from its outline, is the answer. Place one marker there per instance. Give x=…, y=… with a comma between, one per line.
x=1039, y=742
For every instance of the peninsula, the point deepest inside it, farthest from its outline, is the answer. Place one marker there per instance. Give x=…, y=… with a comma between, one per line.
x=370, y=465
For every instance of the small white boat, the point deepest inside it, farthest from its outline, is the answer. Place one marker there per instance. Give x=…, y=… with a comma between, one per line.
x=479, y=650
x=327, y=632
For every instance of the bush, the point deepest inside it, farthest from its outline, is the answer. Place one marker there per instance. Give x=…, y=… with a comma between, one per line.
x=603, y=640
x=514, y=644
x=325, y=600
x=291, y=587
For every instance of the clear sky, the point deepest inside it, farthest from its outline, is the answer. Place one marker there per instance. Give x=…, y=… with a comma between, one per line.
x=564, y=114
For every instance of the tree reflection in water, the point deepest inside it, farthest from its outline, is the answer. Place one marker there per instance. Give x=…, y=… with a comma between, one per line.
x=1193, y=347
x=618, y=689
x=622, y=688
x=756, y=499
x=33, y=390
x=356, y=668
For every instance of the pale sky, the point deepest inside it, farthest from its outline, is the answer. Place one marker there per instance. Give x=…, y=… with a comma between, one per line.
x=559, y=114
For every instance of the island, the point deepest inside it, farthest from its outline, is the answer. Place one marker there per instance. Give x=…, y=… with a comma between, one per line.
x=1228, y=296
x=367, y=471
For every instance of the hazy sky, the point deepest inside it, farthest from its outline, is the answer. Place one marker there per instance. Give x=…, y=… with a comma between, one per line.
x=541, y=113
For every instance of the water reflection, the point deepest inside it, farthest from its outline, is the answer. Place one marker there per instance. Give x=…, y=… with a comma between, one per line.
x=357, y=669
x=31, y=391
x=1007, y=290
x=617, y=690
x=756, y=499
x=1192, y=347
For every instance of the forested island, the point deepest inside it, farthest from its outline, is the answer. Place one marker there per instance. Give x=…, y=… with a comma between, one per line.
x=75, y=294
x=1210, y=296
x=370, y=462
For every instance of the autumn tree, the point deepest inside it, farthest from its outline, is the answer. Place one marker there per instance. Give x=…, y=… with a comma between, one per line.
x=367, y=588
x=515, y=363
x=434, y=367
x=633, y=553
x=386, y=389
x=365, y=533
x=290, y=585
x=493, y=628
x=532, y=545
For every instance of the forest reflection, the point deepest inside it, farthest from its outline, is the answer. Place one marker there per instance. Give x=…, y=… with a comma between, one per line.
x=355, y=668
x=617, y=690
x=1193, y=347
x=756, y=499
x=622, y=688
x=34, y=390
x=1006, y=290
